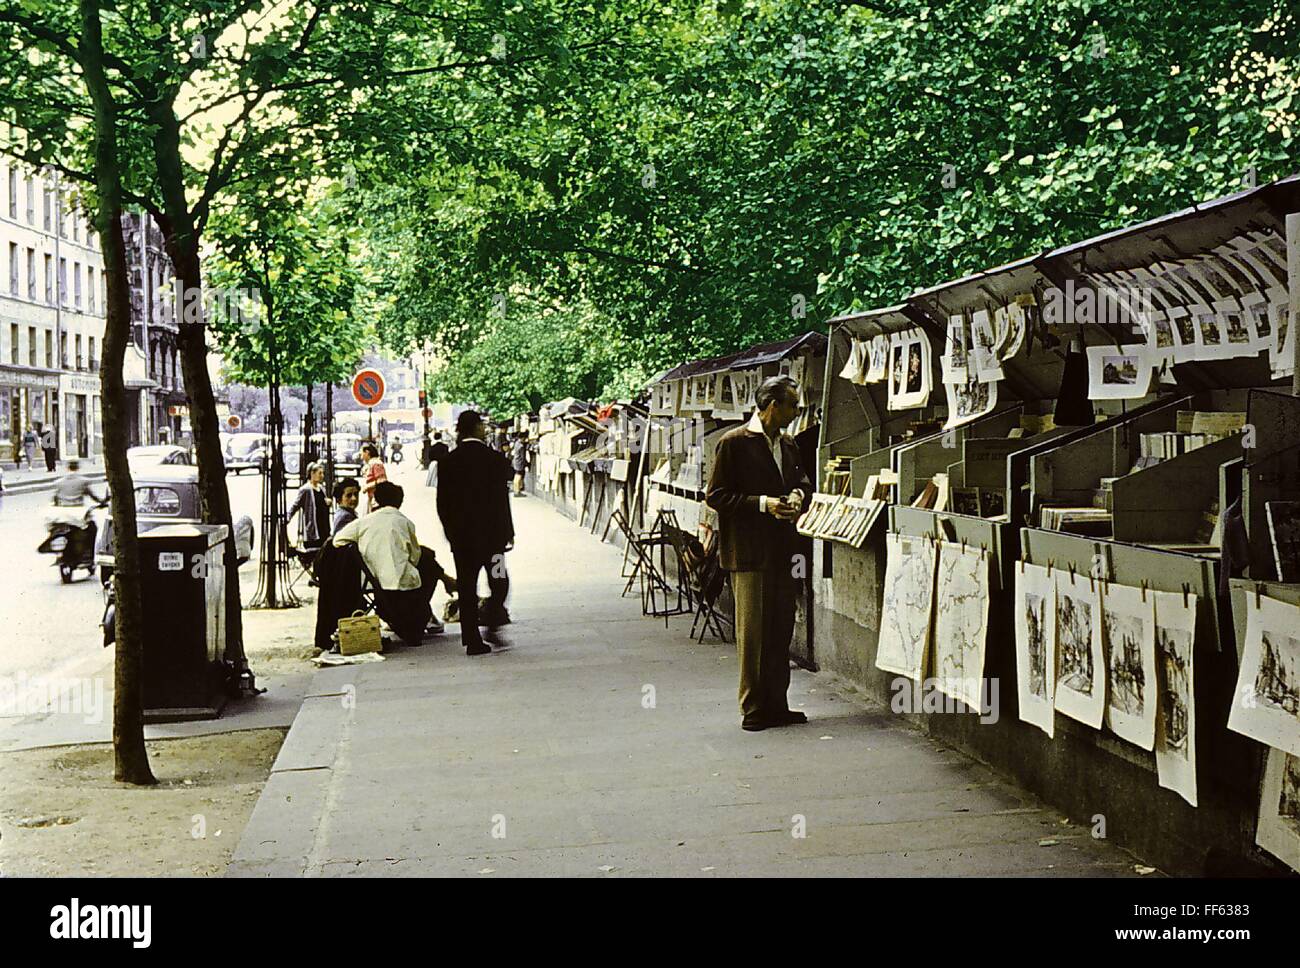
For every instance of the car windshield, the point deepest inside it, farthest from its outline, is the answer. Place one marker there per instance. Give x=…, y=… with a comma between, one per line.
x=157, y=501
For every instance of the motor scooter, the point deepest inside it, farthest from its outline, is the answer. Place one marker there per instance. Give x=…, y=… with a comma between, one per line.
x=71, y=539
x=395, y=453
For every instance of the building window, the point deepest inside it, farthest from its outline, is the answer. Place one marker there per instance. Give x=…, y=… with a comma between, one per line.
x=76, y=284
x=63, y=350
x=45, y=205
x=103, y=288
x=49, y=279
x=76, y=226
x=13, y=343
x=91, y=353
x=31, y=200
x=31, y=345
x=63, y=282
x=49, y=350
x=31, y=274
x=78, y=346
x=13, y=192
x=62, y=226
x=13, y=268
x=90, y=287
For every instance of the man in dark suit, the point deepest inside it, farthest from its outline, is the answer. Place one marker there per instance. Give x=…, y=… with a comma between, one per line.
x=474, y=506
x=759, y=488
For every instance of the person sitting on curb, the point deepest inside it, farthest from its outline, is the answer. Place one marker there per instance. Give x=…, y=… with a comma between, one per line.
x=407, y=573
x=347, y=495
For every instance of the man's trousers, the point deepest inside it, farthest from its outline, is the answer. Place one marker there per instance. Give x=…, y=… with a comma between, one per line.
x=764, y=627
x=468, y=565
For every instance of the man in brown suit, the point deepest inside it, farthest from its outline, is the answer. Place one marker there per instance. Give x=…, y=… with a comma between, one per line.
x=759, y=489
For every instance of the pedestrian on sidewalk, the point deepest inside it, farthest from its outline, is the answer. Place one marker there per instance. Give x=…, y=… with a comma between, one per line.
x=375, y=474
x=519, y=459
x=759, y=489
x=30, y=439
x=310, y=503
x=50, y=445
x=407, y=572
x=474, y=507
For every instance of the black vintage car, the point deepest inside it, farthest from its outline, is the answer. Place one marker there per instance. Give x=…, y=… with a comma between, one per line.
x=164, y=494
x=167, y=494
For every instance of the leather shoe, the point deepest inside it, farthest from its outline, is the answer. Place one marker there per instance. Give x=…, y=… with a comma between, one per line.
x=756, y=724
x=481, y=649
x=791, y=717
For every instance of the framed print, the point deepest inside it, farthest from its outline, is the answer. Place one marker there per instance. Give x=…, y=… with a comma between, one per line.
x=909, y=374
x=1118, y=373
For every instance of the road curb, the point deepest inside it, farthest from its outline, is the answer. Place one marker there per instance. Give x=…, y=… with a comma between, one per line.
x=283, y=837
x=45, y=484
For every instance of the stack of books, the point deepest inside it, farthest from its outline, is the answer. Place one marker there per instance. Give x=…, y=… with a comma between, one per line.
x=1167, y=444
x=1095, y=522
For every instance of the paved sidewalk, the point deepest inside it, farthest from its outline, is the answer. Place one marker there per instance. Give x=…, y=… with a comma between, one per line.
x=37, y=478
x=544, y=760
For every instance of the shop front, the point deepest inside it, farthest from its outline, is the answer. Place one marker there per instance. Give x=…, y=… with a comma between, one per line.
x=82, y=431
x=27, y=397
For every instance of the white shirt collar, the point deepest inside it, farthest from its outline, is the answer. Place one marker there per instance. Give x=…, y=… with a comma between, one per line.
x=755, y=426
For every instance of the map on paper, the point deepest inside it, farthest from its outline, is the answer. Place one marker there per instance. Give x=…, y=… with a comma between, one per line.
x=907, y=609
x=961, y=622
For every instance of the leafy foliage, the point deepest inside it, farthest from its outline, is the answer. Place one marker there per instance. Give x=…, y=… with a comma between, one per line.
x=721, y=171
x=285, y=284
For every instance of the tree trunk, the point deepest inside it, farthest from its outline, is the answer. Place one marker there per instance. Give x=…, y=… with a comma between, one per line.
x=130, y=758
x=183, y=247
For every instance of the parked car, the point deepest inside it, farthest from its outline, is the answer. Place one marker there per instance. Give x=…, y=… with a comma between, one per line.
x=167, y=495
x=245, y=452
x=141, y=459
x=347, y=452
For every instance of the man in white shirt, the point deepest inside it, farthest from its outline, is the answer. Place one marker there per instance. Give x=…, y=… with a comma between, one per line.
x=406, y=572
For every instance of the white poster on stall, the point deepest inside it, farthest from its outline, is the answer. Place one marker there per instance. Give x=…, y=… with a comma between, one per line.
x=982, y=353
x=1081, y=662
x=908, y=607
x=1036, y=646
x=1118, y=372
x=1129, y=626
x=1266, y=705
x=957, y=354
x=1176, y=709
x=878, y=358
x=961, y=602
x=968, y=401
x=856, y=365
x=909, y=370
x=1278, y=831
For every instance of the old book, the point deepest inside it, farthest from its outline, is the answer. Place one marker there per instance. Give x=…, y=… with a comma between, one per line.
x=966, y=500
x=993, y=502
x=1217, y=424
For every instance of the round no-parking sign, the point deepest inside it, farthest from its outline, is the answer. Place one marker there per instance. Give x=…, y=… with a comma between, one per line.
x=368, y=388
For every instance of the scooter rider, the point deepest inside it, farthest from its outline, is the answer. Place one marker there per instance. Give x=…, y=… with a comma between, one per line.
x=74, y=487
x=70, y=492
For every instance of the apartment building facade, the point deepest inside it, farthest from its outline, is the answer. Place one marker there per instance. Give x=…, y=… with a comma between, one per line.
x=52, y=311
